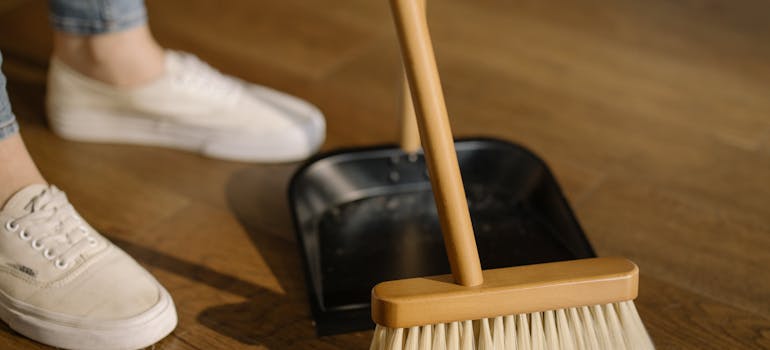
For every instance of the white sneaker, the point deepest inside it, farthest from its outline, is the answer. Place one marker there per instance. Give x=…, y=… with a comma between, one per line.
x=63, y=284
x=191, y=107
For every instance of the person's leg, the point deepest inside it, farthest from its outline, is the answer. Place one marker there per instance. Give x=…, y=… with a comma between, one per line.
x=110, y=81
x=107, y=40
x=17, y=170
x=126, y=59
x=62, y=283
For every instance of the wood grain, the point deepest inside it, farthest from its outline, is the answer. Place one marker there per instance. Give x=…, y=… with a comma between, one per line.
x=653, y=115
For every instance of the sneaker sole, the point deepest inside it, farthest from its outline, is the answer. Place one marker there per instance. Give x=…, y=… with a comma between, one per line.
x=133, y=333
x=114, y=127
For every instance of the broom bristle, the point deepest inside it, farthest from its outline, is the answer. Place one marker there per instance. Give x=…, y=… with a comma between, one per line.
x=614, y=326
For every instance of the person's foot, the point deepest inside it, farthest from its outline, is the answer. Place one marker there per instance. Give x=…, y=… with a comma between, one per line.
x=63, y=284
x=191, y=107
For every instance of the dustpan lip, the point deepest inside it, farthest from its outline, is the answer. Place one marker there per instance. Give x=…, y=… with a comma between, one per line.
x=356, y=149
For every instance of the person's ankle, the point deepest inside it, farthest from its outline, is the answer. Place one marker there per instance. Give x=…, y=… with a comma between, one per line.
x=18, y=171
x=126, y=59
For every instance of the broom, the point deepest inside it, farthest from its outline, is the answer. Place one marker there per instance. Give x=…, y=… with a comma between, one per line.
x=580, y=304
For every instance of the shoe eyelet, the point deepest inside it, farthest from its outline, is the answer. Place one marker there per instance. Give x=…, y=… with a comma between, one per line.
x=48, y=254
x=37, y=245
x=92, y=241
x=61, y=264
x=11, y=226
x=24, y=235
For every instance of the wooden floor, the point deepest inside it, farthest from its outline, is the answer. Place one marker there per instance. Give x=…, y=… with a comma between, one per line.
x=654, y=115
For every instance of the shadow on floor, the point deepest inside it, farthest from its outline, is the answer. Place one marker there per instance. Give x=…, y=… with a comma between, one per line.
x=257, y=196
x=267, y=318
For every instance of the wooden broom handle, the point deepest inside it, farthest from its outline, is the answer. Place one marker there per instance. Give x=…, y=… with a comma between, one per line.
x=437, y=141
x=410, y=134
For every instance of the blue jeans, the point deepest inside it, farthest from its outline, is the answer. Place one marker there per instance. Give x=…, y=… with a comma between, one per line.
x=80, y=17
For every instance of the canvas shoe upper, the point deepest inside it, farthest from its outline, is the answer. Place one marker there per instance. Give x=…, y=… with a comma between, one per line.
x=63, y=284
x=191, y=107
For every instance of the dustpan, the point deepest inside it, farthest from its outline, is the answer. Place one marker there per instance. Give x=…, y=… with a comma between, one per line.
x=367, y=215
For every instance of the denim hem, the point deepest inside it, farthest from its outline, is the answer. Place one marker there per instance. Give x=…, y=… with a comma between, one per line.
x=9, y=128
x=99, y=26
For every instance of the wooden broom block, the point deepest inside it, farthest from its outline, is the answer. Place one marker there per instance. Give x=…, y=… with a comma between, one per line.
x=507, y=291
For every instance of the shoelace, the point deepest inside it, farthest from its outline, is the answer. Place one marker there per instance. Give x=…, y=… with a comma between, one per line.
x=198, y=76
x=53, y=227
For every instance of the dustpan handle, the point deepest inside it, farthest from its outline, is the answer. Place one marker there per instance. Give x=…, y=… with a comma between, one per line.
x=437, y=141
x=410, y=135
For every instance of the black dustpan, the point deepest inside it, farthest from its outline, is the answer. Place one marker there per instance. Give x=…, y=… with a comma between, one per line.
x=364, y=216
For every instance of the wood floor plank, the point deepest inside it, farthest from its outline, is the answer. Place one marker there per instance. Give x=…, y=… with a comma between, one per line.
x=285, y=35
x=361, y=99
x=597, y=67
x=678, y=319
x=25, y=33
x=684, y=238
x=173, y=342
x=9, y=5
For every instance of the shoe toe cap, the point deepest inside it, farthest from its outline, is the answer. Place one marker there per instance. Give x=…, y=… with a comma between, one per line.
x=279, y=127
x=116, y=288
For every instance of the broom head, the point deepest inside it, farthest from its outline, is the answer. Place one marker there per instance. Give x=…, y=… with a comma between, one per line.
x=579, y=304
